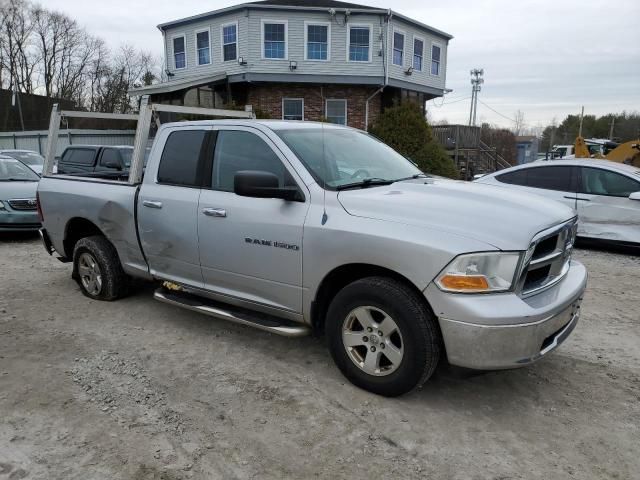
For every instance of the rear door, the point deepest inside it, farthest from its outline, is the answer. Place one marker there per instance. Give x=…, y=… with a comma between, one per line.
x=168, y=206
x=557, y=182
x=605, y=210
x=251, y=248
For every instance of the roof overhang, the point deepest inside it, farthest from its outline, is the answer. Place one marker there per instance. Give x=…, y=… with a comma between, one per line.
x=180, y=84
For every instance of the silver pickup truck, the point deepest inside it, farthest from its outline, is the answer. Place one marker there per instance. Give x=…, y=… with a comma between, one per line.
x=297, y=226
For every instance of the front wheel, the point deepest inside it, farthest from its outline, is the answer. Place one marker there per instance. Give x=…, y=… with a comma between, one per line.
x=97, y=269
x=383, y=336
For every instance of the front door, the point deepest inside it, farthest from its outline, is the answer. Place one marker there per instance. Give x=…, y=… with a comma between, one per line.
x=168, y=208
x=605, y=210
x=251, y=248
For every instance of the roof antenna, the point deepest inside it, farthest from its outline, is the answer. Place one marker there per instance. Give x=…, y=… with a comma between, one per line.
x=325, y=217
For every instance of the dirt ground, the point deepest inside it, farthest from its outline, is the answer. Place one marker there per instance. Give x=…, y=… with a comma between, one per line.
x=137, y=389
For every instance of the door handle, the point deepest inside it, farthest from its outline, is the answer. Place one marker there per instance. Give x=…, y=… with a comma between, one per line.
x=151, y=204
x=214, y=212
x=583, y=199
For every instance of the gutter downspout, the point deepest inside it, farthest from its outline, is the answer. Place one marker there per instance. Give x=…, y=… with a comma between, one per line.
x=386, y=75
x=166, y=59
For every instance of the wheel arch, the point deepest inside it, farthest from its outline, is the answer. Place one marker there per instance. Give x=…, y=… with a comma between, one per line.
x=76, y=229
x=343, y=275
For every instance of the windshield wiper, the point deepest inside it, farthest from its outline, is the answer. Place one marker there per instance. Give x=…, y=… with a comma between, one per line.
x=412, y=177
x=13, y=179
x=367, y=182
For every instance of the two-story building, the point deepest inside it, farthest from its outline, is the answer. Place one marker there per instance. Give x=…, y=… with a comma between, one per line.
x=301, y=60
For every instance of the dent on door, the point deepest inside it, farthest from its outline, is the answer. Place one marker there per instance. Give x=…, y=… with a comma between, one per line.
x=613, y=218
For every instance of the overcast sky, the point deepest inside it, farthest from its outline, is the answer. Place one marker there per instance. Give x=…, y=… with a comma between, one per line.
x=546, y=57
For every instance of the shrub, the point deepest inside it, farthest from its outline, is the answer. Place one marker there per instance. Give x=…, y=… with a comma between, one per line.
x=404, y=128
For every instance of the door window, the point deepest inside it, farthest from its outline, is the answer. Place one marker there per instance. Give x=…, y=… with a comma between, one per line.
x=550, y=178
x=109, y=158
x=596, y=181
x=237, y=150
x=79, y=156
x=180, y=162
x=517, y=177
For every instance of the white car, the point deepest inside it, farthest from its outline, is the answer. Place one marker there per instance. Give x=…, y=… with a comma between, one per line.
x=31, y=159
x=605, y=194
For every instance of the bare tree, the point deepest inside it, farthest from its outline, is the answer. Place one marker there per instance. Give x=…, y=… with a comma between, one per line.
x=519, y=123
x=16, y=60
x=48, y=52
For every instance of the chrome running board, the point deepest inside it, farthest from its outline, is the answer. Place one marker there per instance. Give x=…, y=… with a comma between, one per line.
x=261, y=321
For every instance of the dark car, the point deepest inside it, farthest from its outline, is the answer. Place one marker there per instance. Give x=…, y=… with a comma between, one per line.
x=99, y=159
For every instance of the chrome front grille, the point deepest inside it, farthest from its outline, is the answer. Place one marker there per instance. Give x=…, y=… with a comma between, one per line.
x=547, y=259
x=23, y=204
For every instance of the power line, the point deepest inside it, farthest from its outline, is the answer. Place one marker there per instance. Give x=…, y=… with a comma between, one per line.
x=456, y=100
x=495, y=111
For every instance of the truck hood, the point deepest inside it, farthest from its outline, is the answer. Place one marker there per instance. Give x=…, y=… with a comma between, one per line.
x=10, y=190
x=506, y=219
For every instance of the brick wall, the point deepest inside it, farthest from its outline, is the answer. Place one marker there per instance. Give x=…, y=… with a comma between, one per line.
x=268, y=98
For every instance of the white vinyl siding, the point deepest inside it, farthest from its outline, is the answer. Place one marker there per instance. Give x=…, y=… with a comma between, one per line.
x=179, y=49
x=293, y=108
x=229, y=41
x=274, y=39
x=250, y=47
x=336, y=111
x=203, y=47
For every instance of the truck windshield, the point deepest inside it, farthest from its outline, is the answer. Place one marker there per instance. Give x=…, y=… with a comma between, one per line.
x=337, y=157
x=12, y=170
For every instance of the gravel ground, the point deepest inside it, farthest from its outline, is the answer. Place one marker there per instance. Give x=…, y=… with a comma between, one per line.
x=136, y=389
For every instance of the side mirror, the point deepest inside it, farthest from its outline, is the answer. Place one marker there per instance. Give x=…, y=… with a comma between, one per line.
x=113, y=164
x=259, y=184
x=634, y=196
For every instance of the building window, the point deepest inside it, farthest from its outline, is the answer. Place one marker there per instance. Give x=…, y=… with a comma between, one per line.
x=336, y=111
x=435, y=59
x=179, y=57
x=293, y=109
x=229, y=42
x=203, y=47
x=359, y=43
x=398, y=48
x=418, y=53
x=317, y=42
x=274, y=36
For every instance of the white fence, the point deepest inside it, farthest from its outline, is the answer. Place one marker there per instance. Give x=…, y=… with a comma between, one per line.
x=37, y=140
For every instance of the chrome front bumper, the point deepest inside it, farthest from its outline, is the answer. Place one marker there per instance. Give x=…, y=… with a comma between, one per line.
x=505, y=331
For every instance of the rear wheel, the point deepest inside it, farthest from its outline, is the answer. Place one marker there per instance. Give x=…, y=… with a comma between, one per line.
x=383, y=336
x=97, y=269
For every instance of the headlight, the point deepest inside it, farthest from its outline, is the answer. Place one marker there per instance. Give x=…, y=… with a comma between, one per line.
x=480, y=273
x=2, y=207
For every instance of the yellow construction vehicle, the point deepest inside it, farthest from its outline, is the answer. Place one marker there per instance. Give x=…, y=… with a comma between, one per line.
x=628, y=152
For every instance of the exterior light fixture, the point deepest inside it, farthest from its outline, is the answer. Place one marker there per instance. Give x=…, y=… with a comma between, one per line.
x=408, y=71
x=241, y=61
x=293, y=65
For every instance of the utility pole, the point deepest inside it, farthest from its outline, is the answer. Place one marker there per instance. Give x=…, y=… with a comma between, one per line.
x=613, y=122
x=476, y=81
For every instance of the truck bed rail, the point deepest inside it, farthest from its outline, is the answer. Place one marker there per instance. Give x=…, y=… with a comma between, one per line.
x=143, y=119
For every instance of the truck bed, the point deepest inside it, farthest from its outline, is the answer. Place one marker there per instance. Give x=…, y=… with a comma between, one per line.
x=109, y=206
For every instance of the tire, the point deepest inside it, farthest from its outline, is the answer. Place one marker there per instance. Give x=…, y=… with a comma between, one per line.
x=97, y=269
x=412, y=342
